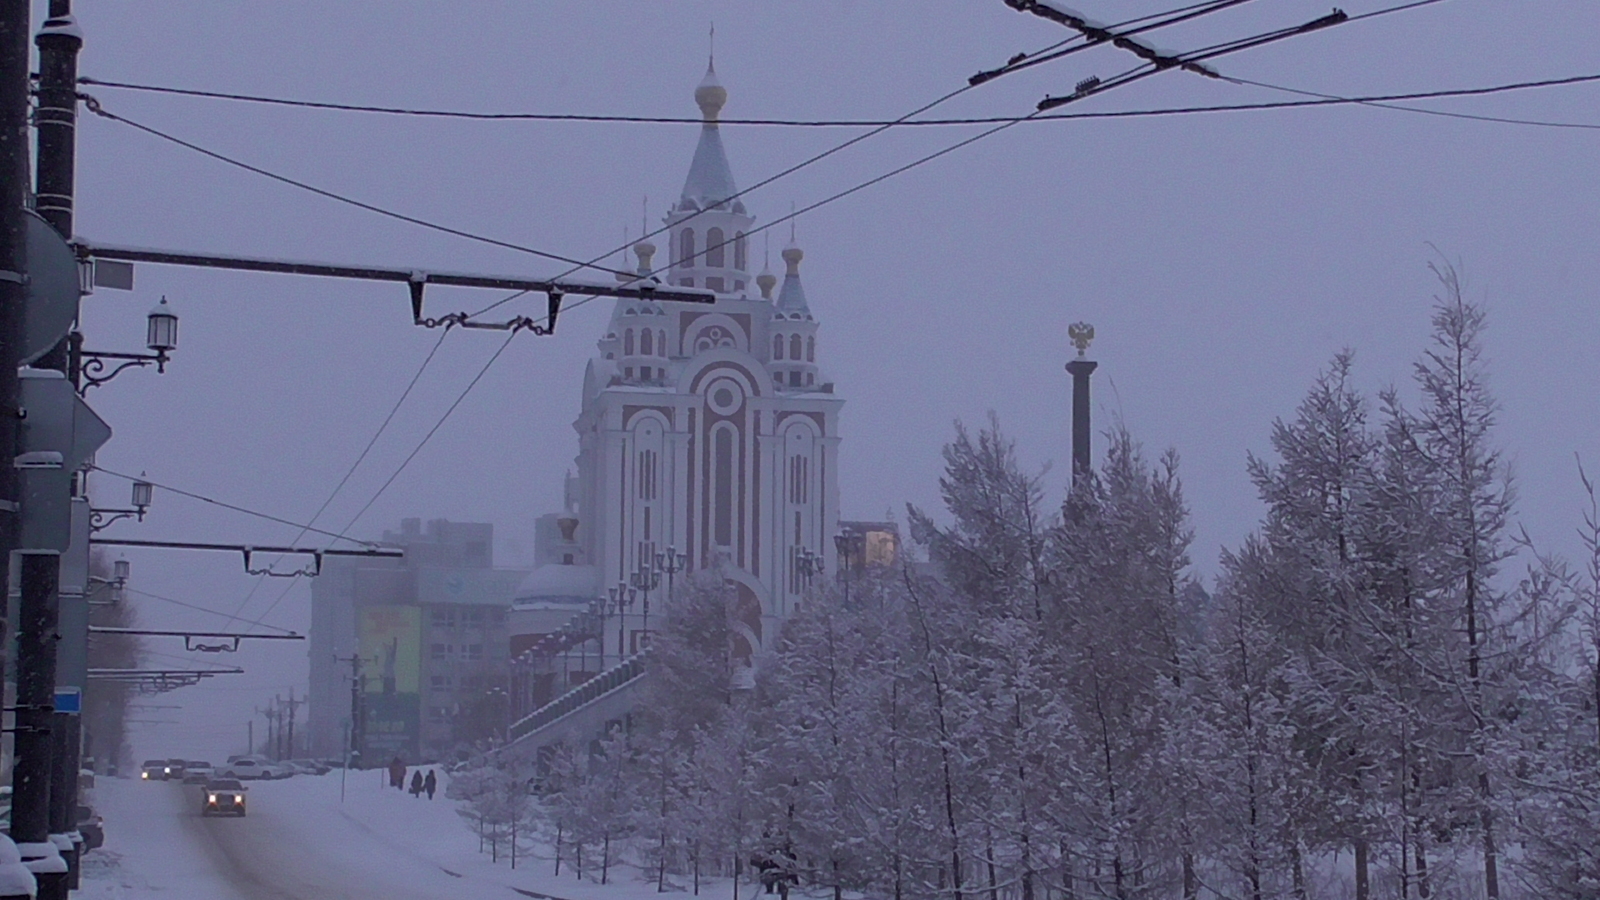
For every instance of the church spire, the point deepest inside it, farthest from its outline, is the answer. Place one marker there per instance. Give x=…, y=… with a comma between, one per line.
x=710, y=181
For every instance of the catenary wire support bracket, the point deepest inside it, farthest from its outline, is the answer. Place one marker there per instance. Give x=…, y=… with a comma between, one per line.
x=416, y=282
x=249, y=550
x=194, y=641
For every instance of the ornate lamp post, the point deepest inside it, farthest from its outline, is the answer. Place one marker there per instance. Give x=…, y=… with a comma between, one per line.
x=646, y=579
x=848, y=545
x=808, y=564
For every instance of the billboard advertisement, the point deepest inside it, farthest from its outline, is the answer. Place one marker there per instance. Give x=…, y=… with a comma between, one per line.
x=391, y=658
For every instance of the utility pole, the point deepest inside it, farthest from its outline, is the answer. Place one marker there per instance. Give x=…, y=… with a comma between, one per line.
x=13, y=263
x=55, y=121
x=292, y=704
x=357, y=714
x=250, y=737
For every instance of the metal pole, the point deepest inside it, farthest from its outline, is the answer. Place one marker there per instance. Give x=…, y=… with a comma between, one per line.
x=36, y=684
x=59, y=41
x=1081, y=369
x=14, y=73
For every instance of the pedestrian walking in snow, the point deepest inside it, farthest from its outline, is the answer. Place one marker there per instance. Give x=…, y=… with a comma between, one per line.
x=416, y=783
x=430, y=784
x=397, y=774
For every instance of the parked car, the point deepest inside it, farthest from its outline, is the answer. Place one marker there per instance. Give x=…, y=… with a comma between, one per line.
x=223, y=797
x=153, y=770
x=91, y=826
x=311, y=766
x=198, y=771
x=250, y=768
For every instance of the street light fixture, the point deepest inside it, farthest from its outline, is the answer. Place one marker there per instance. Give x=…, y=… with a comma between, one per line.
x=646, y=579
x=161, y=336
x=143, y=493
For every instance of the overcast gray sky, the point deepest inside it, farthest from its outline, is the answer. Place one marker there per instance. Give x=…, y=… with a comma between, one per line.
x=1222, y=258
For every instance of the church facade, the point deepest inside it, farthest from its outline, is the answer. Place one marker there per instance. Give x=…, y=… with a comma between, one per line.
x=708, y=429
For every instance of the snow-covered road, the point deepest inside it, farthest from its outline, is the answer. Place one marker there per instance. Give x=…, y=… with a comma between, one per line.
x=302, y=841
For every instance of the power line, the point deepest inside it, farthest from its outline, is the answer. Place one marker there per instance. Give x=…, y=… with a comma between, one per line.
x=95, y=107
x=214, y=502
x=422, y=112
x=214, y=612
x=1049, y=53
x=1383, y=102
x=415, y=450
x=346, y=479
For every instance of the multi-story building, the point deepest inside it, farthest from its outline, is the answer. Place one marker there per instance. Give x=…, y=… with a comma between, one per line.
x=430, y=633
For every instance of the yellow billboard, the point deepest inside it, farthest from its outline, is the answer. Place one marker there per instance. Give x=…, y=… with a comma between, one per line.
x=391, y=649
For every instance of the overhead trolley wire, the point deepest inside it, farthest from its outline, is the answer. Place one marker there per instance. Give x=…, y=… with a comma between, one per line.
x=383, y=426
x=214, y=612
x=414, y=451
x=229, y=506
x=1053, y=52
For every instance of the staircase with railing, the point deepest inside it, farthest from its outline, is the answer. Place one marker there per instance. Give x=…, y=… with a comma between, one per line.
x=607, y=684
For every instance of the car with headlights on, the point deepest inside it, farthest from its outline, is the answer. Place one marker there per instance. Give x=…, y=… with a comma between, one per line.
x=223, y=797
x=153, y=770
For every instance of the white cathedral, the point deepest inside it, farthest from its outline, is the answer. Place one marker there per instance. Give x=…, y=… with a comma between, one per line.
x=705, y=428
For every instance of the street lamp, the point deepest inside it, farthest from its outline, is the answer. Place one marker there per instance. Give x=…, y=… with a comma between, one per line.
x=646, y=579
x=161, y=336
x=117, y=582
x=672, y=562
x=162, y=333
x=143, y=493
x=848, y=544
x=809, y=564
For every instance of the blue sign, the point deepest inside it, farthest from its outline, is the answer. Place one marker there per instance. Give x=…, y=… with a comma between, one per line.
x=69, y=700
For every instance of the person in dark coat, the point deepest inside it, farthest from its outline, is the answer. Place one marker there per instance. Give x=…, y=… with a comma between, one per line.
x=416, y=783
x=430, y=784
x=397, y=774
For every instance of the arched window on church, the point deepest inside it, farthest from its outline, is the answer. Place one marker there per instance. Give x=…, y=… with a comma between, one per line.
x=723, y=476
x=661, y=343
x=714, y=248
x=811, y=349
x=686, y=247
x=627, y=343
x=740, y=260
x=794, y=347
x=647, y=343
x=777, y=346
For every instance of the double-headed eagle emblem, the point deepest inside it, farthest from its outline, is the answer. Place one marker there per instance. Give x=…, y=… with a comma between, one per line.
x=1081, y=334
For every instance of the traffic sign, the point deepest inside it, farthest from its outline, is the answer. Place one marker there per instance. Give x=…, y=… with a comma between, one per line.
x=52, y=289
x=69, y=700
x=57, y=419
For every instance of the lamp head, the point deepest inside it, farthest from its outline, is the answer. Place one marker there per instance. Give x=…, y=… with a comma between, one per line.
x=162, y=335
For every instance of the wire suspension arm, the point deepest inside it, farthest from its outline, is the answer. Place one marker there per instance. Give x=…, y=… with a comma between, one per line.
x=248, y=550
x=416, y=281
